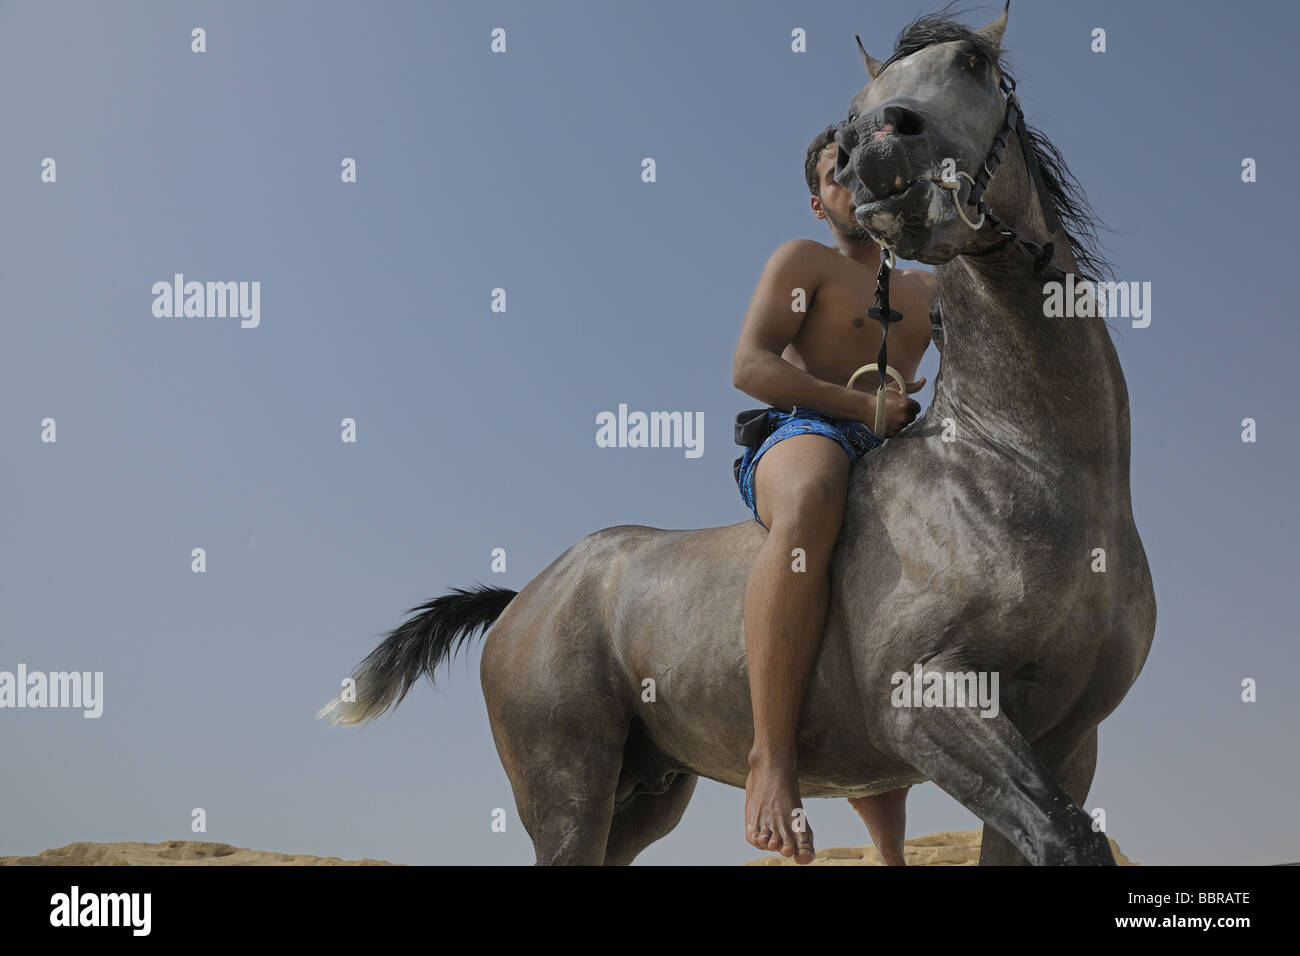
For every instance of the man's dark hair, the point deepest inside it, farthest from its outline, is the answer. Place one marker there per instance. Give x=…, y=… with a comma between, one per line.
x=824, y=139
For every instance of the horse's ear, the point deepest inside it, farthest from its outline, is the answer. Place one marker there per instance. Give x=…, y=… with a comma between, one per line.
x=873, y=65
x=993, y=31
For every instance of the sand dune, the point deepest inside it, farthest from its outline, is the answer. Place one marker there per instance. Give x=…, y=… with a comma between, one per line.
x=950, y=848
x=174, y=853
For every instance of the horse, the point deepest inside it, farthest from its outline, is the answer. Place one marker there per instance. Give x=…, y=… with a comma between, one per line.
x=970, y=544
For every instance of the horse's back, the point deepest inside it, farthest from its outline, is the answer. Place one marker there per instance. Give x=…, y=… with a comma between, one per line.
x=624, y=603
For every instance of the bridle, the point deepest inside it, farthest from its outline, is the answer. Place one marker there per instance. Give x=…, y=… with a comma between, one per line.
x=1012, y=120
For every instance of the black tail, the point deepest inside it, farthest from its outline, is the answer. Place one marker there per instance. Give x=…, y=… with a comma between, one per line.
x=416, y=648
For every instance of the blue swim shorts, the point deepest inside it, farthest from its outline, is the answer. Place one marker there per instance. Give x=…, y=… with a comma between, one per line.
x=759, y=429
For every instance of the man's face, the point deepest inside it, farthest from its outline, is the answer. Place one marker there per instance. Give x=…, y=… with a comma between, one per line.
x=836, y=202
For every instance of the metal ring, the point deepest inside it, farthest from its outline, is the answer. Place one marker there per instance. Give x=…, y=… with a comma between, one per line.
x=974, y=225
x=889, y=370
x=890, y=262
x=961, y=210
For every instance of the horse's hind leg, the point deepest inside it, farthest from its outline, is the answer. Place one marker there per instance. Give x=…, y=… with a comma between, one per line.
x=1074, y=771
x=653, y=790
x=647, y=817
x=559, y=728
x=564, y=784
x=990, y=769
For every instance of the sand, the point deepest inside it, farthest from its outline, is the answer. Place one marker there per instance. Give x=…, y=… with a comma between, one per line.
x=950, y=848
x=174, y=853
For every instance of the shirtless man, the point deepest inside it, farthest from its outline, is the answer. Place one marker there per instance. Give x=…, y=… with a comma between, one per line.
x=794, y=477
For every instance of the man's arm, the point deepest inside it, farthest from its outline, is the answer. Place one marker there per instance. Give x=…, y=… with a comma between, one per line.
x=770, y=325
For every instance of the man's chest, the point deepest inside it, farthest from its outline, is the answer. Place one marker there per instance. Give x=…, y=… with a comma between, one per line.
x=837, y=324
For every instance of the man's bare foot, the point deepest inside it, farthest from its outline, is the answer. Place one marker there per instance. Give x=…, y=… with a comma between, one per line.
x=771, y=799
x=885, y=815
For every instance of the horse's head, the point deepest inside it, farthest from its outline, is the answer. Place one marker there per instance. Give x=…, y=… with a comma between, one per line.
x=930, y=111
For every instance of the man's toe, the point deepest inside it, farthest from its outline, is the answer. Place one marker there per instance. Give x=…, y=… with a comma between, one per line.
x=787, y=846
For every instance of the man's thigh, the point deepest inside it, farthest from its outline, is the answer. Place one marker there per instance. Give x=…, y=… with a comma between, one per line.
x=802, y=478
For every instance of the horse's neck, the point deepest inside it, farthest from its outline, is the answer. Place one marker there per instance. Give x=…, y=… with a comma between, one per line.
x=1041, y=384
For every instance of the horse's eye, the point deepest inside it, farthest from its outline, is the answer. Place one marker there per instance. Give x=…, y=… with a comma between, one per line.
x=975, y=62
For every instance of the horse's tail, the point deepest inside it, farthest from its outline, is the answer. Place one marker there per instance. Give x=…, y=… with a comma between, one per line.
x=414, y=648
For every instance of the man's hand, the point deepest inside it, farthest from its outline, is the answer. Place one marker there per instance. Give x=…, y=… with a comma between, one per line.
x=899, y=409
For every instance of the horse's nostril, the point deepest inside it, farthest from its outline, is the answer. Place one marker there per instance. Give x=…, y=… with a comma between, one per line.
x=904, y=121
x=841, y=160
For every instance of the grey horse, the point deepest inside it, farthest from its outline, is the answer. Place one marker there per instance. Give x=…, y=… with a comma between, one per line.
x=993, y=536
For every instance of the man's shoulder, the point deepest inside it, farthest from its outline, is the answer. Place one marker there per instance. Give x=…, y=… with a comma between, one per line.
x=798, y=262
x=799, y=250
x=920, y=279
x=918, y=287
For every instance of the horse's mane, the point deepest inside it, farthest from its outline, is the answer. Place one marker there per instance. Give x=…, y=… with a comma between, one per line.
x=1063, y=190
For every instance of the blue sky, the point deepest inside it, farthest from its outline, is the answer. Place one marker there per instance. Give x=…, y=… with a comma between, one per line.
x=476, y=429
